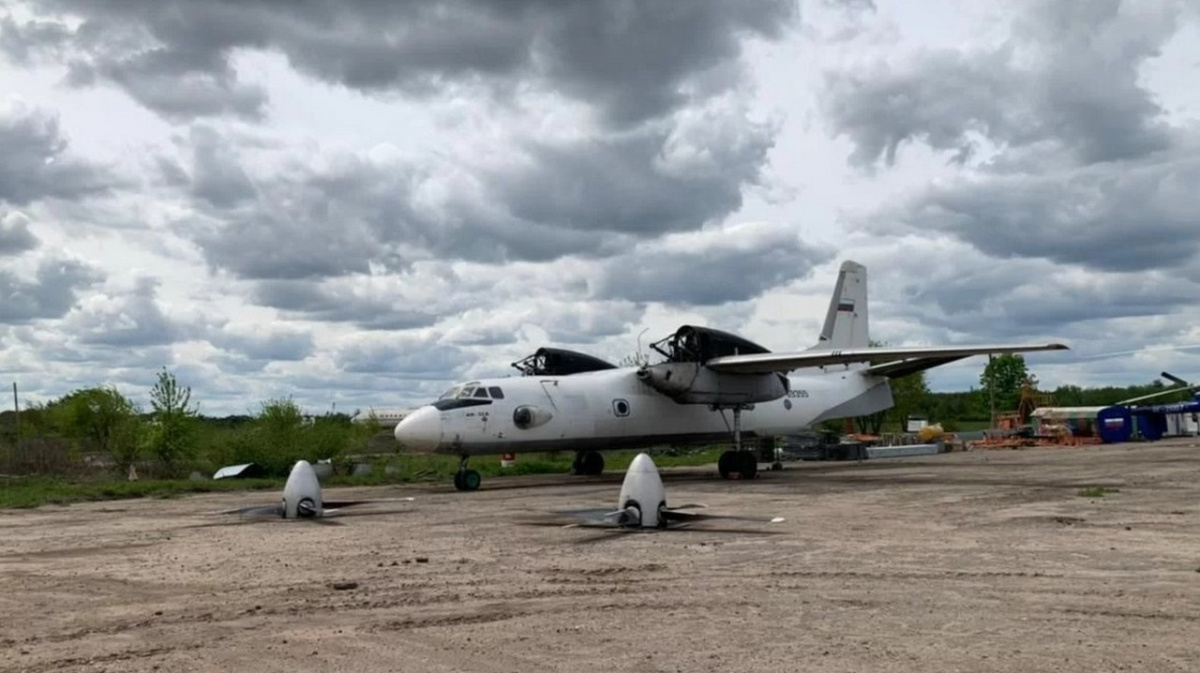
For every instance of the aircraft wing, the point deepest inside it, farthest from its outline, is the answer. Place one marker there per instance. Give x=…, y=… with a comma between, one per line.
x=884, y=361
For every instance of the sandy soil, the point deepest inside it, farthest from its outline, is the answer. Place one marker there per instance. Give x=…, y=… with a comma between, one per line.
x=981, y=561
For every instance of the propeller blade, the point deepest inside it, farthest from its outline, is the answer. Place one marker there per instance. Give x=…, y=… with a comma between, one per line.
x=341, y=514
x=688, y=528
x=1175, y=379
x=259, y=510
x=672, y=515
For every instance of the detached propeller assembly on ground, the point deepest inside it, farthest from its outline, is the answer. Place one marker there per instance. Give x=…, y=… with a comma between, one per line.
x=642, y=507
x=302, y=499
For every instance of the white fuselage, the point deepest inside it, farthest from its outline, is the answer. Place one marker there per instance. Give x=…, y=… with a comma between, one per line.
x=613, y=409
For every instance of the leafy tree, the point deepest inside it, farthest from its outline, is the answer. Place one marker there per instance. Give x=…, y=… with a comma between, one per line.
x=173, y=432
x=278, y=430
x=1002, y=378
x=911, y=396
x=282, y=434
x=872, y=424
x=102, y=420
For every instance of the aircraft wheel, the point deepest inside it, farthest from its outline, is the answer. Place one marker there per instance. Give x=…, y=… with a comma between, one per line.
x=747, y=464
x=471, y=480
x=592, y=463
x=727, y=464
x=589, y=463
x=467, y=480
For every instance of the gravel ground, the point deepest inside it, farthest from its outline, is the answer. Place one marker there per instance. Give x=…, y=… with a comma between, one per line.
x=980, y=561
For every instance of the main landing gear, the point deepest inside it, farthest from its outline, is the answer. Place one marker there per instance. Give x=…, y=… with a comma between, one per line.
x=738, y=463
x=589, y=463
x=466, y=479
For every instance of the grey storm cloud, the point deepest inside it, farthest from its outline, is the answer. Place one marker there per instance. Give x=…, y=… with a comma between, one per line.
x=635, y=61
x=51, y=294
x=35, y=164
x=409, y=358
x=134, y=319
x=622, y=185
x=1069, y=75
x=1086, y=171
x=734, y=267
x=590, y=198
x=304, y=224
x=1111, y=216
x=1029, y=297
x=309, y=300
x=218, y=178
x=267, y=345
x=15, y=237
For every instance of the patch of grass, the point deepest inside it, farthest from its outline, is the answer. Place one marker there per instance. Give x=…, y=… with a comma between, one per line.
x=407, y=468
x=1096, y=491
x=27, y=492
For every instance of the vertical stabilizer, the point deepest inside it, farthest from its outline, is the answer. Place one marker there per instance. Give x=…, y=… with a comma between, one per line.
x=846, y=321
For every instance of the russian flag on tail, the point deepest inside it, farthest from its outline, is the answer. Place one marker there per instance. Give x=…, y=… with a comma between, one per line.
x=846, y=305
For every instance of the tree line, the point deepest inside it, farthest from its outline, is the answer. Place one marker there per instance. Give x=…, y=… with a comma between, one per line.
x=101, y=427
x=1000, y=388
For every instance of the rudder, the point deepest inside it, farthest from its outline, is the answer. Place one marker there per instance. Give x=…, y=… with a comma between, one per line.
x=846, y=320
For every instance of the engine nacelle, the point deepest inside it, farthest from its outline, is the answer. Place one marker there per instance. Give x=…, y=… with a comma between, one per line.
x=530, y=416
x=693, y=383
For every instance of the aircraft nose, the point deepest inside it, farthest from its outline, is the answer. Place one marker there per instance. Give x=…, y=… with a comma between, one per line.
x=420, y=431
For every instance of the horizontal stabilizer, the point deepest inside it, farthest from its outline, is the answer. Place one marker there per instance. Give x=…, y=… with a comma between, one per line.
x=761, y=363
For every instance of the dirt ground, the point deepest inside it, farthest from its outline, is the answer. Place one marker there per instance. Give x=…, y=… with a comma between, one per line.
x=980, y=561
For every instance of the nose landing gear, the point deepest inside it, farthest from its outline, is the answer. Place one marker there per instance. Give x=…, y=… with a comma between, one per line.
x=466, y=479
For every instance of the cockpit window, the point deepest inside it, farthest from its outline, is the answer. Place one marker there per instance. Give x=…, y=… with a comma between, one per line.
x=467, y=391
x=458, y=403
x=497, y=394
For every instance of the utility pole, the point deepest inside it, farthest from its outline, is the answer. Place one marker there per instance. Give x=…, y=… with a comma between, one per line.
x=991, y=372
x=17, y=411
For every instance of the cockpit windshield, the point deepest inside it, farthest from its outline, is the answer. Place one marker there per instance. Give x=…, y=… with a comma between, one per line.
x=465, y=390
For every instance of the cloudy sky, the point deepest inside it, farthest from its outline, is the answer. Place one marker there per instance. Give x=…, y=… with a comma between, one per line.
x=356, y=203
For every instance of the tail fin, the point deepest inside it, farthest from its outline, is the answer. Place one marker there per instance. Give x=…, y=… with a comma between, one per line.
x=846, y=321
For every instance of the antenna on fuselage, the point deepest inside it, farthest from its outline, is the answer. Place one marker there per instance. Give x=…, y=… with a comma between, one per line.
x=642, y=359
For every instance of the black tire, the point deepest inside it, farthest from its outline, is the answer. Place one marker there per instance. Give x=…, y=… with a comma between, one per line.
x=748, y=464
x=471, y=480
x=727, y=464
x=593, y=463
x=458, y=481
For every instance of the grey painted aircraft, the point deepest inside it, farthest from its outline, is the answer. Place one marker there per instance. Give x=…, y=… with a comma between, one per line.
x=710, y=386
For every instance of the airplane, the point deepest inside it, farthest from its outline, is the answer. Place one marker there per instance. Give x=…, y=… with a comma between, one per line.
x=642, y=505
x=386, y=418
x=303, y=499
x=710, y=385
